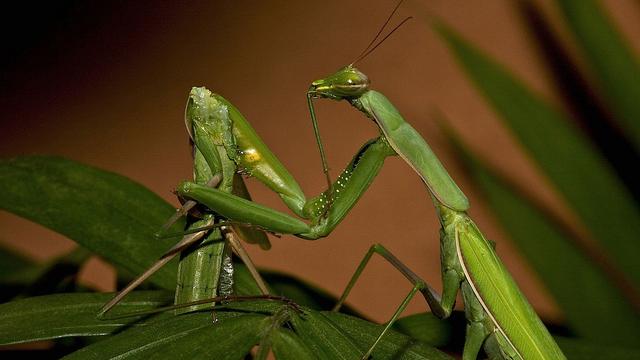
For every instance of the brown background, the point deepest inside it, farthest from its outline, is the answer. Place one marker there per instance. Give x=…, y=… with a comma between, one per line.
x=107, y=86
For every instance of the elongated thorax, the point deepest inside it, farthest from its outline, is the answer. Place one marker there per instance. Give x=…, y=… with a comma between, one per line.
x=410, y=145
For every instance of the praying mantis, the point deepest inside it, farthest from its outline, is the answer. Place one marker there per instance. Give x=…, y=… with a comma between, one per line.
x=210, y=131
x=498, y=315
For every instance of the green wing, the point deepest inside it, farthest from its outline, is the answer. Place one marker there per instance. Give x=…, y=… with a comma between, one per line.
x=500, y=296
x=248, y=234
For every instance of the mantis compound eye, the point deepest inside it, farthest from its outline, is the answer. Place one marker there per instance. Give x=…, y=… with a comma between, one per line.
x=347, y=82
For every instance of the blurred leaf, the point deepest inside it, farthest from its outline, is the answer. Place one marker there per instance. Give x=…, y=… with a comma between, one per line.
x=575, y=91
x=579, y=173
x=189, y=336
x=63, y=315
x=613, y=63
x=54, y=276
x=16, y=272
x=577, y=285
x=427, y=328
x=289, y=286
x=303, y=292
x=299, y=291
x=580, y=349
x=11, y=262
x=107, y=213
x=392, y=346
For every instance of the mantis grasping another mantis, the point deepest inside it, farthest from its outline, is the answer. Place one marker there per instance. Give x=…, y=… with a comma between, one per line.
x=210, y=131
x=498, y=315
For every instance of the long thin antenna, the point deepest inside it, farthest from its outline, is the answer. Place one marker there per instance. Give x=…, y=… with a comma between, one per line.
x=362, y=54
x=383, y=39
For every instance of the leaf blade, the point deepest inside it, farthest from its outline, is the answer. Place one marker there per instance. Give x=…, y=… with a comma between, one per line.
x=105, y=212
x=578, y=286
x=190, y=336
x=580, y=174
x=64, y=315
x=612, y=61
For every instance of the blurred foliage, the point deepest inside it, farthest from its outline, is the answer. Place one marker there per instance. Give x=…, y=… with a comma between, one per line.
x=593, y=275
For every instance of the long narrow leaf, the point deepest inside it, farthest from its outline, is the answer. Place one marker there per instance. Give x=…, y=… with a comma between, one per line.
x=11, y=262
x=580, y=174
x=63, y=315
x=325, y=338
x=577, y=349
x=392, y=346
x=192, y=336
x=107, y=213
x=427, y=328
x=287, y=345
x=613, y=63
x=58, y=275
x=577, y=285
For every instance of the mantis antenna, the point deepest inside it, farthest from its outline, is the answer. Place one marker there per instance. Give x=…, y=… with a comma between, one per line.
x=364, y=55
x=369, y=49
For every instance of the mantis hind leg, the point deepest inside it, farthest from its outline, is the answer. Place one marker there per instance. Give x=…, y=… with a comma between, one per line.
x=475, y=337
x=477, y=332
x=480, y=330
x=441, y=306
x=497, y=349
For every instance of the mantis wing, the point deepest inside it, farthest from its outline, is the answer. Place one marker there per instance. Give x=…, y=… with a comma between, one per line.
x=500, y=297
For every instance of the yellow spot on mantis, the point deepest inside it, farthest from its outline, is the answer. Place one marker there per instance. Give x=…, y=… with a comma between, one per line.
x=251, y=155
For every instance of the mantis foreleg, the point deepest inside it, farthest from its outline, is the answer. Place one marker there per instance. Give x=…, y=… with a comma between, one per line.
x=213, y=167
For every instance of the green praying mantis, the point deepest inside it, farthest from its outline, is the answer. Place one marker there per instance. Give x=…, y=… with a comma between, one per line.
x=498, y=315
x=210, y=131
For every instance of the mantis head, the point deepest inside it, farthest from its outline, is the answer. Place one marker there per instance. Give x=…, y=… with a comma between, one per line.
x=346, y=83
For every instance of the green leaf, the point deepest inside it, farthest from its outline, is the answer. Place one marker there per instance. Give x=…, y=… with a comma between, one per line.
x=617, y=70
x=580, y=174
x=63, y=315
x=258, y=305
x=243, y=283
x=189, y=336
x=239, y=325
x=287, y=345
x=577, y=285
x=580, y=349
x=55, y=276
x=16, y=272
x=107, y=213
x=392, y=346
x=302, y=292
x=427, y=328
x=324, y=338
x=291, y=287
x=11, y=262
